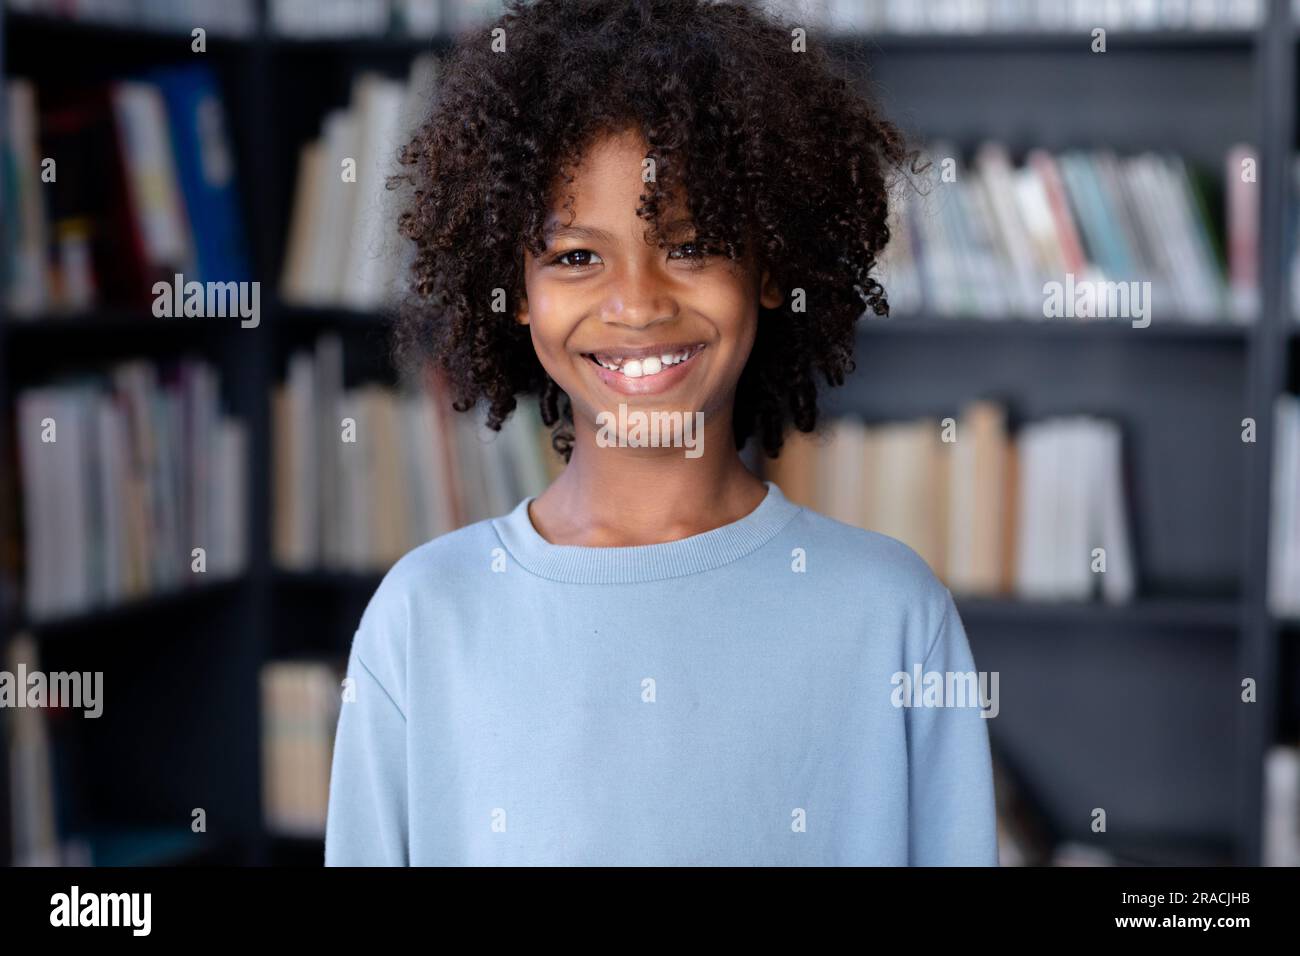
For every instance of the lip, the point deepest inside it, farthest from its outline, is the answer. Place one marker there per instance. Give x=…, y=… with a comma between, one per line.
x=648, y=384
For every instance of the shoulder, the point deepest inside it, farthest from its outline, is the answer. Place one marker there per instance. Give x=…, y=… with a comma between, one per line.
x=878, y=575
x=410, y=593
x=891, y=562
x=449, y=559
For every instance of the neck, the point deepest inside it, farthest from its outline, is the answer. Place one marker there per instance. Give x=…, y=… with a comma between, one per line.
x=616, y=496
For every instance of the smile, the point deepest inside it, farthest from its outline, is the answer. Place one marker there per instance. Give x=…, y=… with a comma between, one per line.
x=644, y=365
x=644, y=370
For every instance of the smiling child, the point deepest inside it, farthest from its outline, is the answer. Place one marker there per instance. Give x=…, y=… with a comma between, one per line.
x=659, y=660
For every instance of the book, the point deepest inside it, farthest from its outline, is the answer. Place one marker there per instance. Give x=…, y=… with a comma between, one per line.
x=135, y=184
x=363, y=473
x=993, y=514
x=1079, y=235
x=344, y=248
x=124, y=473
x=300, y=708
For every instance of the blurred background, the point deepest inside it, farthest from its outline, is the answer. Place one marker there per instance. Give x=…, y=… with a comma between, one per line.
x=198, y=505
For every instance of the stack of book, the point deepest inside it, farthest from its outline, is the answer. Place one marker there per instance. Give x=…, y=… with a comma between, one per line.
x=298, y=19
x=343, y=247
x=123, y=477
x=116, y=188
x=1074, y=235
x=224, y=17
x=1013, y=16
x=364, y=474
x=992, y=515
x=1284, y=533
x=300, y=710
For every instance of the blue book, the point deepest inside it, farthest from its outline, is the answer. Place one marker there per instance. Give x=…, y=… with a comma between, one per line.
x=205, y=164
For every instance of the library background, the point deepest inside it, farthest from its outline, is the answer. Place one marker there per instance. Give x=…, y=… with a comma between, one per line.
x=1158, y=155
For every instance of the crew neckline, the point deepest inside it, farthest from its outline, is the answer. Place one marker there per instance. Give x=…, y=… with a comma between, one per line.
x=581, y=564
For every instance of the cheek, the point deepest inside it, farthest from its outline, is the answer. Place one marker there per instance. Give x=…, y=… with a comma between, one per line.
x=734, y=306
x=546, y=312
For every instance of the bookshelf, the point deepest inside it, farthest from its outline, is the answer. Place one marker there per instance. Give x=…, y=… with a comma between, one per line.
x=1202, y=503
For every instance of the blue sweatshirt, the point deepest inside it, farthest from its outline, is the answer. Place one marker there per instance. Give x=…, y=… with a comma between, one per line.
x=752, y=695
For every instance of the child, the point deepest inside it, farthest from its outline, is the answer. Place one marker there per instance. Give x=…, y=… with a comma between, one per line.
x=660, y=659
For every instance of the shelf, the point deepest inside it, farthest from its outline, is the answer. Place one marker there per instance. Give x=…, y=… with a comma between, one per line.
x=113, y=614
x=1192, y=613
x=1065, y=329
x=330, y=580
x=1053, y=41
x=365, y=46
x=115, y=320
x=1001, y=41
x=121, y=31
x=340, y=317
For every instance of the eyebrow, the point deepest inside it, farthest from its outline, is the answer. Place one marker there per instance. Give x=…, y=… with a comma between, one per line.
x=591, y=233
x=558, y=231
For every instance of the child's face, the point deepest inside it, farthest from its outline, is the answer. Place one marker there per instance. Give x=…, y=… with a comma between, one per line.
x=676, y=328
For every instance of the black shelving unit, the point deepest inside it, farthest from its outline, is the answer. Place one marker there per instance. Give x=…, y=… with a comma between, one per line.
x=1142, y=697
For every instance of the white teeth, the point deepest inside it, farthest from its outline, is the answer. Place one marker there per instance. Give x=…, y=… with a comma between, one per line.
x=651, y=365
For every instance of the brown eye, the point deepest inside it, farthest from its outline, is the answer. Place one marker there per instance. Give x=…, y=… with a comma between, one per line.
x=687, y=250
x=577, y=258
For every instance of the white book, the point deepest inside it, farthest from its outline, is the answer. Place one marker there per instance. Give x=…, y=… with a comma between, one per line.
x=996, y=178
x=1283, y=595
x=155, y=196
x=373, y=234
x=1040, y=227
x=305, y=238
x=336, y=198
x=1119, y=583
x=33, y=407
x=1035, y=524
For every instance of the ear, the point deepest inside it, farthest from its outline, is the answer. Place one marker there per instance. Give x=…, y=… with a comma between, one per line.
x=769, y=294
x=521, y=313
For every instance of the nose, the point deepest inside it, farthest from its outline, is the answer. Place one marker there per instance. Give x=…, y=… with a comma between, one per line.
x=638, y=299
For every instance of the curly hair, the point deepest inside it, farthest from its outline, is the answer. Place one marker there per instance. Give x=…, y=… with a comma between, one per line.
x=776, y=153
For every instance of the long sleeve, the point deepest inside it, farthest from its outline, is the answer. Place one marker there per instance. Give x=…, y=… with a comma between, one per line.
x=367, y=817
x=952, y=816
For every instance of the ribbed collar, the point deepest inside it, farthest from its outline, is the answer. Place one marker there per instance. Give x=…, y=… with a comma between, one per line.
x=575, y=564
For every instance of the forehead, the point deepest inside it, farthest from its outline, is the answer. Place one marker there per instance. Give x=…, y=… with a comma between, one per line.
x=607, y=184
